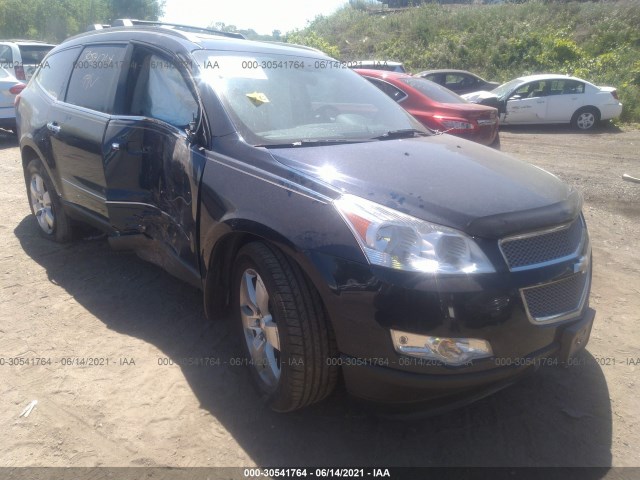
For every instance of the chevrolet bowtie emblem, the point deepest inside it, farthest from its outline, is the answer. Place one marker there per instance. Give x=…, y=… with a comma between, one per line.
x=582, y=265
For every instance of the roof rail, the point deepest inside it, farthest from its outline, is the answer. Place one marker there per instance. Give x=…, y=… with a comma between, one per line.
x=130, y=22
x=15, y=40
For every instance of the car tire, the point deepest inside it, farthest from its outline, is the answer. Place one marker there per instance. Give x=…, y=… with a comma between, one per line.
x=496, y=142
x=586, y=119
x=45, y=203
x=285, y=334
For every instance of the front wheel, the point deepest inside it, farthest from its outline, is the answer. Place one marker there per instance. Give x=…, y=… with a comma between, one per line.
x=45, y=204
x=286, y=336
x=586, y=119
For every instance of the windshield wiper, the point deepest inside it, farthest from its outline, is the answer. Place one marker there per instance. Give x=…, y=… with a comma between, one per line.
x=311, y=143
x=403, y=133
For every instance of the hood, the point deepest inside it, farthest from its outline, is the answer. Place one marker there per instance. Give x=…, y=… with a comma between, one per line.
x=476, y=96
x=442, y=179
x=468, y=110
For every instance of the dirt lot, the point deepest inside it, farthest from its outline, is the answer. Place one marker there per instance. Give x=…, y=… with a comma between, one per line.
x=84, y=300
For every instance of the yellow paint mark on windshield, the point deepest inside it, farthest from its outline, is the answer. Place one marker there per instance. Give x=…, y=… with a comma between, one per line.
x=257, y=98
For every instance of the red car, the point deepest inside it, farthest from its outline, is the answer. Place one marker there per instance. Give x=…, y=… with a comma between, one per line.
x=437, y=107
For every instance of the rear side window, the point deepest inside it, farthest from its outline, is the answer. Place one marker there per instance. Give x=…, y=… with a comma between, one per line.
x=95, y=77
x=55, y=70
x=433, y=90
x=566, y=87
x=389, y=89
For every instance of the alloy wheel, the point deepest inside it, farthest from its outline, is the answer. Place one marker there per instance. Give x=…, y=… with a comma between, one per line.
x=585, y=120
x=41, y=203
x=260, y=329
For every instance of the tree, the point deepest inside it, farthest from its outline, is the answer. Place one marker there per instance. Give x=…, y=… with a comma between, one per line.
x=53, y=21
x=139, y=9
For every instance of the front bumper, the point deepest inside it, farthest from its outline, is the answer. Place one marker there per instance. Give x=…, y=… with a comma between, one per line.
x=365, y=303
x=401, y=391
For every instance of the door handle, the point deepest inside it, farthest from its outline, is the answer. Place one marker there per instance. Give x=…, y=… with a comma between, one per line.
x=134, y=148
x=53, y=127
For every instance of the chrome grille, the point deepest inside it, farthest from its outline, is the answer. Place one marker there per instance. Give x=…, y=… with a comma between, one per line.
x=557, y=300
x=555, y=244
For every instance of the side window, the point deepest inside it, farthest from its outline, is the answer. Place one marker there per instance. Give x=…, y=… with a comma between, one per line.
x=531, y=90
x=453, y=80
x=95, y=76
x=557, y=87
x=390, y=90
x=54, y=72
x=572, y=87
x=523, y=91
x=6, y=57
x=468, y=81
x=160, y=91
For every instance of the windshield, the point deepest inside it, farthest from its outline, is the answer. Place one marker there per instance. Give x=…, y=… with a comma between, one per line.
x=281, y=99
x=434, y=91
x=506, y=88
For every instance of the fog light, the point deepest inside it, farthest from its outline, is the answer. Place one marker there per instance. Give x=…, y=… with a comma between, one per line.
x=451, y=351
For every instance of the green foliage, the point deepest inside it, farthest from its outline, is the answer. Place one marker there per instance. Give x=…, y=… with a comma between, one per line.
x=597, y=41
x=55, y=20
x=312, y=39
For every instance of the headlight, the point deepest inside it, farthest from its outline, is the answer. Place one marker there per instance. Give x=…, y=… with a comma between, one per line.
x=393, y=239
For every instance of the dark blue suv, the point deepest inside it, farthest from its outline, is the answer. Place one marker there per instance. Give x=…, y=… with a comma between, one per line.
x=343, y=235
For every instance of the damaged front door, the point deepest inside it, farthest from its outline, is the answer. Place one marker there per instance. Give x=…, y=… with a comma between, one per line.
x=152, y=168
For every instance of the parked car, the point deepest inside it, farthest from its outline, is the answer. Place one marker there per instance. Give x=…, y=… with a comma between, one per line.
x=21, y=57
x=430, y=270
x=386, y=65
x=458, y=81
x=10, y=87
x=538, y=99
x=438, y=108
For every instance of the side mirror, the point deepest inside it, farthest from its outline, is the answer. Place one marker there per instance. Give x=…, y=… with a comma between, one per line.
x=515, y=97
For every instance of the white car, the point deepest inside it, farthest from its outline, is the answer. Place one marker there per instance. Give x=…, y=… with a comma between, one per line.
x=9, y=88
x=22, y=57
x=537, y=99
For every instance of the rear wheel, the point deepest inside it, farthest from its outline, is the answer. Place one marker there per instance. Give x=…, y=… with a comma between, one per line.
x=496, y=142
x=586, y=118
x=285, y=333
x=45, y=204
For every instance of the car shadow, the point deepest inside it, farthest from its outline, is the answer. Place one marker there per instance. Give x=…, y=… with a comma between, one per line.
x=558, y=417
x=561, y=129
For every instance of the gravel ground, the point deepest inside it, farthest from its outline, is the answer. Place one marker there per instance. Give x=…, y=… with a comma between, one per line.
x=137, y=406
